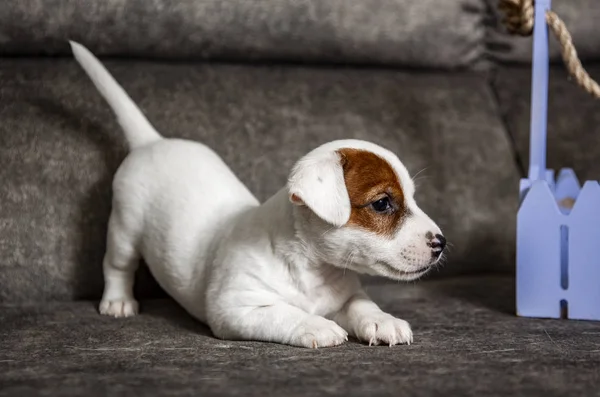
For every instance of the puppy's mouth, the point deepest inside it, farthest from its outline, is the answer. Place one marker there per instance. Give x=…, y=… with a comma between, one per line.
x=404, y=274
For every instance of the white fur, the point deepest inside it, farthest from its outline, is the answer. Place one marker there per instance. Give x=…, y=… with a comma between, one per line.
x=273, y=272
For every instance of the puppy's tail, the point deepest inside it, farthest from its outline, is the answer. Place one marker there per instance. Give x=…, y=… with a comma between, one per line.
x=137, y=128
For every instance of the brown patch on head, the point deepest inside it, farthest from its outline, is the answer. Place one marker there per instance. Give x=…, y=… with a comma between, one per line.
x=370, y=178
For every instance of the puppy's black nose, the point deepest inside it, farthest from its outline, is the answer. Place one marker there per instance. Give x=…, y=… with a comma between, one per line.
x=438, y=244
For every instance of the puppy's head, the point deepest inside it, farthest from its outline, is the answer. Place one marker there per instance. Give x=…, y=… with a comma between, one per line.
x=357, y=208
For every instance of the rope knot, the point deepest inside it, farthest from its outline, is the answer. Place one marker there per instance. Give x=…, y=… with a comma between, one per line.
x=518, y=16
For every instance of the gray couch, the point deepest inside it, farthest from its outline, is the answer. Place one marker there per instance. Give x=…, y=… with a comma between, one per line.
x=263, y=82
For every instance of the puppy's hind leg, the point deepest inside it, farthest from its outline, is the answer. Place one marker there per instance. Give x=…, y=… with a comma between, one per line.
x=120, y=263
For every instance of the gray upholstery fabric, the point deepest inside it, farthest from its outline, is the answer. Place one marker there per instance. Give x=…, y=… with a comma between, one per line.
x=467, y=343
x=581, y=18
x=431, y=33
x=60, y=146
x=573, y=119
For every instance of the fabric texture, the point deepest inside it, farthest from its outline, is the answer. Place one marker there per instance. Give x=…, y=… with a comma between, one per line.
x=467, y=343
x=60, y=147
x=424, y=33
x=573, y=119
x=581, y=18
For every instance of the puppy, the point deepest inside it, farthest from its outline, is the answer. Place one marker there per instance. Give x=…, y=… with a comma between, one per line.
x=284, y=271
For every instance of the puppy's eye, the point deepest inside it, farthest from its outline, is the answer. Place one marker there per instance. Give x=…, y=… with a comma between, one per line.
x=382, y=205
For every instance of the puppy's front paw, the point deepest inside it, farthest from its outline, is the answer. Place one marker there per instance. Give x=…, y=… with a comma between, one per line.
x=119, y=308
x=315, y=332
x=383, y=328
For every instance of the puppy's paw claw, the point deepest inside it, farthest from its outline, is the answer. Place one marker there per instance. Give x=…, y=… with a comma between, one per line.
x=119, y=308
x=386, y=329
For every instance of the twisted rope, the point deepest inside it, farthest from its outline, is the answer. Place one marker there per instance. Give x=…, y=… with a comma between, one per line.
x=519, y=17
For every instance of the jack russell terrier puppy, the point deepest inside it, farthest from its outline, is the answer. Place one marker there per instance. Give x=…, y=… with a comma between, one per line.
x=284, y=271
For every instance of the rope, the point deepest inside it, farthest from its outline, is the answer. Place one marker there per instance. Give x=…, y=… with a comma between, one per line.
x=519, y=17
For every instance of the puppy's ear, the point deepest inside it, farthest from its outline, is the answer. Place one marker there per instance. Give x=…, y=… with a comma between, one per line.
x=317, y=181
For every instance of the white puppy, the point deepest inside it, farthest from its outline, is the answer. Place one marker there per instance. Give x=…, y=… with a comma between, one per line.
x=284, y=271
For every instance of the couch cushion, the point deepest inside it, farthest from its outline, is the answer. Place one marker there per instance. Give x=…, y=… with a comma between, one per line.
x=430, y=33
x=581, y=18
x=573, y=119
x=60, y=147
x=467, y=343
